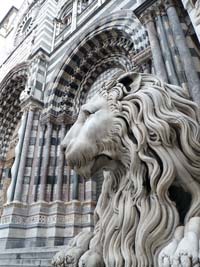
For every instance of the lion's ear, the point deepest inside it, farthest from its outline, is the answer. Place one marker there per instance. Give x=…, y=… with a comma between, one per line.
x=131, y=81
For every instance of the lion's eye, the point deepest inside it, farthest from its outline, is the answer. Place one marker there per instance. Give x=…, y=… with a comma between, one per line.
x=87, y=113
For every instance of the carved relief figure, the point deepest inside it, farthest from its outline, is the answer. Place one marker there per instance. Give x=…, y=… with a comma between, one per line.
x=144, y=134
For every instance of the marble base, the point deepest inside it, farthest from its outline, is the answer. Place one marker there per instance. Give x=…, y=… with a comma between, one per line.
x=44, y=224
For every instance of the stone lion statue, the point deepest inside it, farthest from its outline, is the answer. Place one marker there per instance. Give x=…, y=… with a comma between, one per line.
x=144, y=134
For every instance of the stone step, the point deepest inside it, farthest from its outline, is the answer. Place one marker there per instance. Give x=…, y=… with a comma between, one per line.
x=28, y=257
x=25, y=262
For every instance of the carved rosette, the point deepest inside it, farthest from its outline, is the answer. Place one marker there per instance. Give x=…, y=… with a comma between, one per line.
x=26, y=24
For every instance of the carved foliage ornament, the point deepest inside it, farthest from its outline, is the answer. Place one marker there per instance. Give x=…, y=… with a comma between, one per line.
x=144, y=134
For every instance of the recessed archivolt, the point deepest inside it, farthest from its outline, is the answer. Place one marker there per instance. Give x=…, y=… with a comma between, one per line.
x=10, y=113
x=117, y=61
x=117, y=34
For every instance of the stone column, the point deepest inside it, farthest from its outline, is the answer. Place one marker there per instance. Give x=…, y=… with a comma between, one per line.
x=39, y=161
x=58, y=195
x=45, y=162
x=159, y=64
x=165, y=49
x=54, y=164
x=188, y=64
x=32, y=186
x=74, y=15
x=18, y=149
x=75, y=192
x=24, y=151
x=175, y=53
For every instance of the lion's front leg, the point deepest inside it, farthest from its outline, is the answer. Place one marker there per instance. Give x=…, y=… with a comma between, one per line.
x=183, y=251
x=94, y=256
x=69, y=257
x=91, y=258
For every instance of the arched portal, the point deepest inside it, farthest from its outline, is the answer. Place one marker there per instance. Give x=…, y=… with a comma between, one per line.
x=10, y=113
x=112, y=42
x=113, y=45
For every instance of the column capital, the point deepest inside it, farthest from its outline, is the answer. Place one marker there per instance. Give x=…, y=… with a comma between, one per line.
x=150, y=13
x=61, y=118
x=146, y=16
x=168, y=3
x=160, y=10
x=40, y=55
x=48, y=120
x=25, y=109
x=31, y=103
x=33, y=107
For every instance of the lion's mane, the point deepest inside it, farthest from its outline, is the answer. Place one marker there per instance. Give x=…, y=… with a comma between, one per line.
x=158, y=126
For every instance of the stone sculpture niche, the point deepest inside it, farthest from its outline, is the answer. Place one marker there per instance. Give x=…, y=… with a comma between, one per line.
x=144, y=134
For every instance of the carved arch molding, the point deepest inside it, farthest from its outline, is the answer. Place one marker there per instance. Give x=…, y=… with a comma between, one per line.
x=10, y=112
x=117, y=41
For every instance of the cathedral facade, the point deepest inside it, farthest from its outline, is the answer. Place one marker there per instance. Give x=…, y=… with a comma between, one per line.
x=62, y=52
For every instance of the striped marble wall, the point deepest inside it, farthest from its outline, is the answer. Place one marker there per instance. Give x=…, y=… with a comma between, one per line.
x=47, y=202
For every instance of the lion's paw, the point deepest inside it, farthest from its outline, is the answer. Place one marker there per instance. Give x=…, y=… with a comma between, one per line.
x=68, y=258
x=58, y=259
x=181, y=258
x=183, y=251
x=91, y=259
x=187, y=252
x=185, y=259
x=164, y=260
x=166, y=255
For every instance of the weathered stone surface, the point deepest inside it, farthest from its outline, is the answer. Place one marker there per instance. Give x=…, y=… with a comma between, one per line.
x=30, y=257
x=188, y=64
x=144, y=134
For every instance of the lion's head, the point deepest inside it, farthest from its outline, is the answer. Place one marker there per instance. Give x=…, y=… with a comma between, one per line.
x=145, y=134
